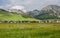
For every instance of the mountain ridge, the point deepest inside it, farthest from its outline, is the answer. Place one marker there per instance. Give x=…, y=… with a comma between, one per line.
x=6, y=15
x=48, y=12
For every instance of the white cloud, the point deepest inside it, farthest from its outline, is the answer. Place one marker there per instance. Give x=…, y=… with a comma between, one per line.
x=18, y=7
x=32, y=4
x=1, y=7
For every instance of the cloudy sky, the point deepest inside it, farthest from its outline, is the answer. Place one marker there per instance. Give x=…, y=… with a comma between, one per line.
x=28, y=4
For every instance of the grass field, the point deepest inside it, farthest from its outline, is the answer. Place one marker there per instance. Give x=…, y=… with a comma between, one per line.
x=35, y=30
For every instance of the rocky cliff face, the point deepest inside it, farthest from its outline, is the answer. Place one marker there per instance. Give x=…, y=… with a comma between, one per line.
x=52, y=9
x=49, y=12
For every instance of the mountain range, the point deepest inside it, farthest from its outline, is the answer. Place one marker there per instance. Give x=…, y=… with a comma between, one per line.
x=48, y=12
x=13, y=16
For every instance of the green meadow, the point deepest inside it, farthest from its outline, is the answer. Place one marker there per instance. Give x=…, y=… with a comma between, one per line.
x=4, y=15
x=30, y=30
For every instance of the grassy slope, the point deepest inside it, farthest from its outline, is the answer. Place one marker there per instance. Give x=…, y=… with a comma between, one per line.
x=9, y=16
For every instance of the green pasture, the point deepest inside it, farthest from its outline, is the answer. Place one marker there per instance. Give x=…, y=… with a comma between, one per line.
x=30, y=30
